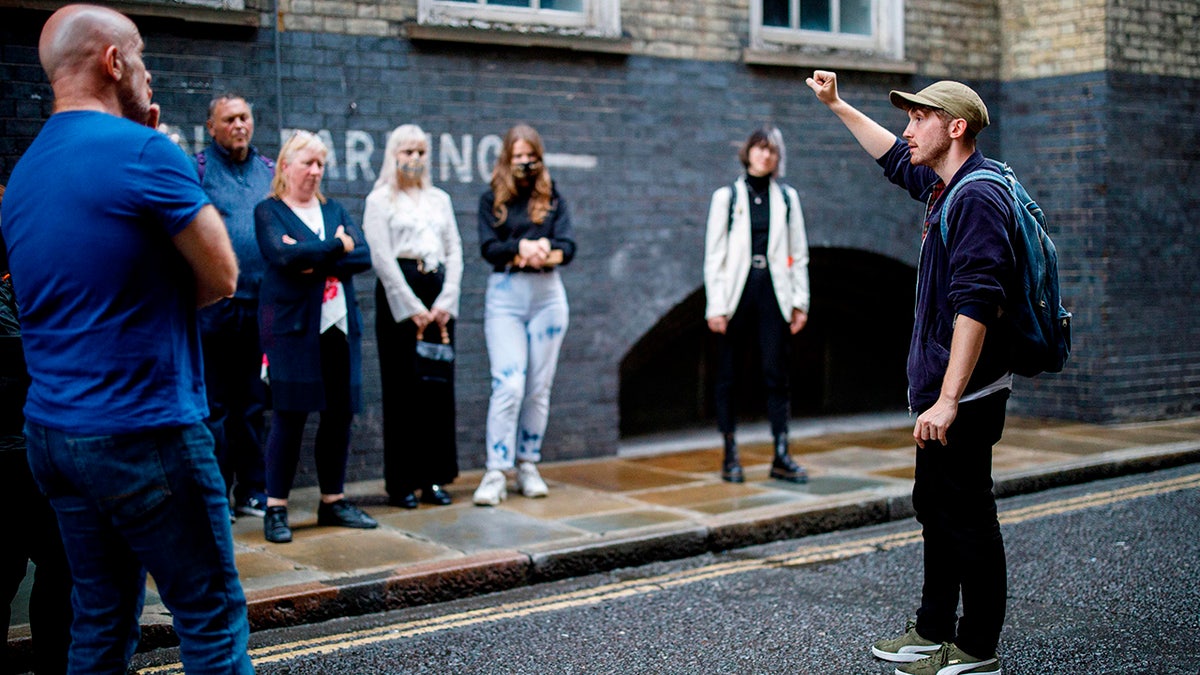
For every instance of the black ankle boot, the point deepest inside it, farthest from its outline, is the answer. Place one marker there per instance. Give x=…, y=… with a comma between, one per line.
x=784, y=467
x=731, y=468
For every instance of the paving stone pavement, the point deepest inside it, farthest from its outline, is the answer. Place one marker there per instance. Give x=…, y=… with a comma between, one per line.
x=660, y=498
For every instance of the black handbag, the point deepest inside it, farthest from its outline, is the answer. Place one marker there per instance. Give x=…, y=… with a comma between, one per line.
x=434, y=360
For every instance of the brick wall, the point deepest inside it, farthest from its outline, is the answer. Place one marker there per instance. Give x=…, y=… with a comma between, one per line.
x=1110, y=157
x=1155, y=37
x=1052, y=38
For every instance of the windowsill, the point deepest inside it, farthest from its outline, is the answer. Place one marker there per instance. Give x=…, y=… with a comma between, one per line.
x=763, y=57
x=189, y=13
x=515, y=38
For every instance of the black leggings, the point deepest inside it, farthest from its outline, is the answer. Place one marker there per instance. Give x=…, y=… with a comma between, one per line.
x=756, y=323
x=332, y=446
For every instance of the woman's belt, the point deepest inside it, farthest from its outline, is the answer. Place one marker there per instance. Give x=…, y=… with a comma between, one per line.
x=418, y=265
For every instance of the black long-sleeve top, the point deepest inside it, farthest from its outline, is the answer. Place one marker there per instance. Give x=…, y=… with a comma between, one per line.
x=500, y=243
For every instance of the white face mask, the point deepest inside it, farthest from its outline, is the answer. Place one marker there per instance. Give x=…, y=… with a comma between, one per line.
x=414, y=169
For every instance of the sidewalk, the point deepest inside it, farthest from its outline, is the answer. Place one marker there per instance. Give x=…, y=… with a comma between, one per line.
x=660, y=498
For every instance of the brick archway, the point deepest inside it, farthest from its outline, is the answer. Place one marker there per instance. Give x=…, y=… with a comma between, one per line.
x=850, y=358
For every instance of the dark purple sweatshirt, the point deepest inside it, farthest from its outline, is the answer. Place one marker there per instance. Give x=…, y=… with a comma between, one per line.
x=971, y=273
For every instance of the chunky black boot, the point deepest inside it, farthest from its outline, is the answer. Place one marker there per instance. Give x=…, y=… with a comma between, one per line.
x=784, y=467
x=731, y=468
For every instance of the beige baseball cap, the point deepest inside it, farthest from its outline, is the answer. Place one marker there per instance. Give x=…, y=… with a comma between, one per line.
x=955, y=98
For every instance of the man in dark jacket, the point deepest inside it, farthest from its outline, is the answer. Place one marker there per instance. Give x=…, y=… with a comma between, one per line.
x=959, y=377
x=236, y=178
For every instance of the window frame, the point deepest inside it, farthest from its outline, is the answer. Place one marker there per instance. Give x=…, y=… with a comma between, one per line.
x=599, y=18
x=886, y=39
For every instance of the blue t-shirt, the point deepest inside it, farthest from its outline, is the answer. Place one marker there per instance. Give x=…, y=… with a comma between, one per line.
x=107, y=301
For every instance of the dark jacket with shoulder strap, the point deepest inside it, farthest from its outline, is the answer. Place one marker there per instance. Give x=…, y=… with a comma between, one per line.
x=289, y=311
x=970, y=274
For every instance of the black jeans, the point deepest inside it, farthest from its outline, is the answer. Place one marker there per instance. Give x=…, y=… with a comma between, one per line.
x=419, y=446
x=964, y=551
x=756, y=323
x=236, y=393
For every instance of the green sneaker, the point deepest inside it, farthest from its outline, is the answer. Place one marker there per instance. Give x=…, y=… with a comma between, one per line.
x=906, y=648
x=950, y=660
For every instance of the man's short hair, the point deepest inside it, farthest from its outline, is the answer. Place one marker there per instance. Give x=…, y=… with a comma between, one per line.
x=227, y=96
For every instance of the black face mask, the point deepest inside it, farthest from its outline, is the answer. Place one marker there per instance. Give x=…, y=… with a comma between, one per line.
x=527, y=170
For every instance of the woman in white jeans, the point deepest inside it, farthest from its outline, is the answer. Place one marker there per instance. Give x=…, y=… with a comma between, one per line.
x=525, y=234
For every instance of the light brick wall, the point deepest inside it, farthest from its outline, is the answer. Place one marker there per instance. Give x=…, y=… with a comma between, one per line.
x=1155, y=37
x=1052, y=38
x=953, y=39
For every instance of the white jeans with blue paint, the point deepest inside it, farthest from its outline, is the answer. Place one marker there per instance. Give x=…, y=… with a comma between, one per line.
x=524, y=320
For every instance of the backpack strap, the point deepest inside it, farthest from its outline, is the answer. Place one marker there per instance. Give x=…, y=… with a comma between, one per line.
x=991, y=175
x=201, y=160
x=732, y=203
x=787, y=201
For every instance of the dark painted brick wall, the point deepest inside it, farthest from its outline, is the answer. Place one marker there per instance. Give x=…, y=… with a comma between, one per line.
x=1114, y=176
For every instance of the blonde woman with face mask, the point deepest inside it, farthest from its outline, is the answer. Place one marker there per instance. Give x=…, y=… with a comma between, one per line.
x=417, y=256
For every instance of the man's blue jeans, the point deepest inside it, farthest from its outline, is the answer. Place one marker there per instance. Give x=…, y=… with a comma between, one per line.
x=131, y=503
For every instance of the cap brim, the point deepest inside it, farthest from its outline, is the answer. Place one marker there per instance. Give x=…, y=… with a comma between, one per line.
x=904, y=100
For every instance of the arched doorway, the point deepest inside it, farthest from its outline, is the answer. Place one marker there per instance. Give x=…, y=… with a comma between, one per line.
x=849, y=359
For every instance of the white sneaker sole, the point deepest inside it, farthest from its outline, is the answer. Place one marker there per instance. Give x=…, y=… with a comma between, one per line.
x=916, y=654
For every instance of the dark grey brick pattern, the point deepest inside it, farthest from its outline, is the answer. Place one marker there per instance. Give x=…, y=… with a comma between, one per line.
x=664, y=133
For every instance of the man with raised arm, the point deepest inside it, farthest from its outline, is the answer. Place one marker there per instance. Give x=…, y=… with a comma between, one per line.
x=112, y=246
x=958, y=372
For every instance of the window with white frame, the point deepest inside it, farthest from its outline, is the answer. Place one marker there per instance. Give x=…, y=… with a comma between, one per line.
x=875, y=26
x=600, y=18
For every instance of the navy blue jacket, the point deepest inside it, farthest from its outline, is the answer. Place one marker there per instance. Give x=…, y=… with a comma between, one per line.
x=235, y=188
x=289, y=304
x=971, y=273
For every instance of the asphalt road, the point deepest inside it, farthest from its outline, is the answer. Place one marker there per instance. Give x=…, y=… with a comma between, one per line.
x=1103, y=578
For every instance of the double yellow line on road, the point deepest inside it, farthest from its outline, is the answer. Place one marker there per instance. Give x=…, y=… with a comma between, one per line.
x=805, y=555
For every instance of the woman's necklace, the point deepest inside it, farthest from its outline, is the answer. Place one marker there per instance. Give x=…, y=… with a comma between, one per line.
x=758, y=196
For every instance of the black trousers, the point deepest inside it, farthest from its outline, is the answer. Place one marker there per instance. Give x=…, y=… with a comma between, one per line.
x=332, y=444
x=33, y=535
x=964, y=551
x=236, y=393
x=419, y=444
x=756, y=323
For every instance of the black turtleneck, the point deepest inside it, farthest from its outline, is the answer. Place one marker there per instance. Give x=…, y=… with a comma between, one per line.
x=757, y=190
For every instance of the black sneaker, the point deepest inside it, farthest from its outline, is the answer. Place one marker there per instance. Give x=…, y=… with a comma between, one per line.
x=344, y=514
x=275, y=525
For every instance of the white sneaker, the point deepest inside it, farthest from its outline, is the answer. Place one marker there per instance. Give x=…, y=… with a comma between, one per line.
x=492, y=489
x=529, y=481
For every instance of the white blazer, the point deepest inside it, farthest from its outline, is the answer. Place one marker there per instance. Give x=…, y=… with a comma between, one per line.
x=727, y=251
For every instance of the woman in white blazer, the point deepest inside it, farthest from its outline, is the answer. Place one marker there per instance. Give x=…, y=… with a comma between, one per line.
x=756, y=283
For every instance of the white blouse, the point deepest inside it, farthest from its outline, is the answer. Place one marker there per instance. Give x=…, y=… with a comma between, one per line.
x=396, y=226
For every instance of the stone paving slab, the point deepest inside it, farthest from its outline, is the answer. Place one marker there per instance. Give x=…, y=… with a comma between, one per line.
x=641, y=507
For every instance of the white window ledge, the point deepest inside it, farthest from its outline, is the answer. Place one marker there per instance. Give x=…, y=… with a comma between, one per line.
x=791, y=59
x=512, y=37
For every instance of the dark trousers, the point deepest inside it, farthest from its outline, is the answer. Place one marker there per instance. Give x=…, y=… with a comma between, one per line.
x=236, y=393
x=964, y=551
x=419, y=445
x=756, y=323
x=332, y=444
x=33, y=535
